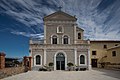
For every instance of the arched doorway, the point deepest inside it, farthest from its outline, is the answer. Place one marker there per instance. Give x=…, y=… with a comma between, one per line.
x=60, y=61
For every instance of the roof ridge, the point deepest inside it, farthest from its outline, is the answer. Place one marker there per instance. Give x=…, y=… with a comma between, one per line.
x=61, y=12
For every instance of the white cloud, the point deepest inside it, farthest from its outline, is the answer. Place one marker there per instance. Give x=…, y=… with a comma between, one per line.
x=41, y=35
x=96, y=25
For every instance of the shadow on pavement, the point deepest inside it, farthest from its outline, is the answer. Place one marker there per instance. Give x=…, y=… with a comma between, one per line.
x=107, y=72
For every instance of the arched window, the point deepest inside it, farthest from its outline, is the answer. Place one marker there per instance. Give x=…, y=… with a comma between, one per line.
x=54, y=39
x=82, y=59
x=60, y=57
x=65, y=39
x=38, y=60
x=79, y=35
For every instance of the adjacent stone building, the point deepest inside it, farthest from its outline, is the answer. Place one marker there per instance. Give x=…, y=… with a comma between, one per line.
x=63, y=43
x=105, y=51
x=113, y=55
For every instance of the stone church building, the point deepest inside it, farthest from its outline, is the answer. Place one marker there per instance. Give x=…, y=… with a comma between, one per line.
x=63, y=43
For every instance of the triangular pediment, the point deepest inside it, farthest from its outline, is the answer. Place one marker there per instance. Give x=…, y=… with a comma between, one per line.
x=59, y=15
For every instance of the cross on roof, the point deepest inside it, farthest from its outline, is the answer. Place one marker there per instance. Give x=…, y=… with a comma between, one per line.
x=60, y=8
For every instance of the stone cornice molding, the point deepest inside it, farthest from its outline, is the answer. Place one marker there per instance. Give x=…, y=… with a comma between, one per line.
x=64, y=22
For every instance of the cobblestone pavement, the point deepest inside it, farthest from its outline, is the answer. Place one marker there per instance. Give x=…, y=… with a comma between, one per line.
x=96, y=74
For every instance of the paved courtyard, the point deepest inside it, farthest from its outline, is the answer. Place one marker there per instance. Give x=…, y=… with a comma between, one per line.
x=96, y=74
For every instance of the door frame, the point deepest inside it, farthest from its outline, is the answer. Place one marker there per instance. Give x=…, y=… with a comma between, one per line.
x=96, y=63
x=60, y=65
x=34, y=60
x=60, y=51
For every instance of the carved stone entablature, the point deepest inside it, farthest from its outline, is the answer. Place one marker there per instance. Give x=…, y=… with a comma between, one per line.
x=82, y=50
x=63, y=22
x=37, y=46
x=48, y=50
x=37, y=50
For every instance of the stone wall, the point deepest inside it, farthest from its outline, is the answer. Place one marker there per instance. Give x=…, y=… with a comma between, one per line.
x=10, y=71
x=52, y=30
x=2, y=60
x=98, y=46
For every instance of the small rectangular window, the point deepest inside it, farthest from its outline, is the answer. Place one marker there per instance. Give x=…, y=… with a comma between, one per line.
x=105, y=47
x=113, y=53
x=79, y=35
x=116, y=44
x=93, y=52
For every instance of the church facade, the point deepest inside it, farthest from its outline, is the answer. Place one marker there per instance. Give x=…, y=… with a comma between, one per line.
x=63, y=43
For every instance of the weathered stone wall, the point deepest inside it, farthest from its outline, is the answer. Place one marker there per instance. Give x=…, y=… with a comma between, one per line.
x=113, y=59
x=101, y=52
x=10, y=71
x=79, y=30
x=37, y=52
x=52, y=30
x=51, y=53
x=78, y=56
x=113, y=66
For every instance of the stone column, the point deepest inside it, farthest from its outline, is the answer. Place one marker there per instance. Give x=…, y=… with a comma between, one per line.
x=75, y=51
x=44, y=56
x=25, y=60
x=2, y=60
x=30, y=60
x=26, y=64
x=30, y=54
x=54, y=62
x=89, y=59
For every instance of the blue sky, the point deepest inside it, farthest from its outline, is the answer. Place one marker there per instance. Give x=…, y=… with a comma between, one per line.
x=22, y=19
x=13, y=45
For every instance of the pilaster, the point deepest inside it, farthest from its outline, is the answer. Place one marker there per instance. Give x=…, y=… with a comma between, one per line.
x=75, y=34
x=89, y=59
x=44, y=56
x=75, y=51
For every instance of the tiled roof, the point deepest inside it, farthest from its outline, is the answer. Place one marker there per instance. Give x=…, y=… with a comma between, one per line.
x=105, y=41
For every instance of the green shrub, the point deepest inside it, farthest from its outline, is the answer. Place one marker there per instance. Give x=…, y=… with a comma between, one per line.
x=70, y=64
x=51, y=64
